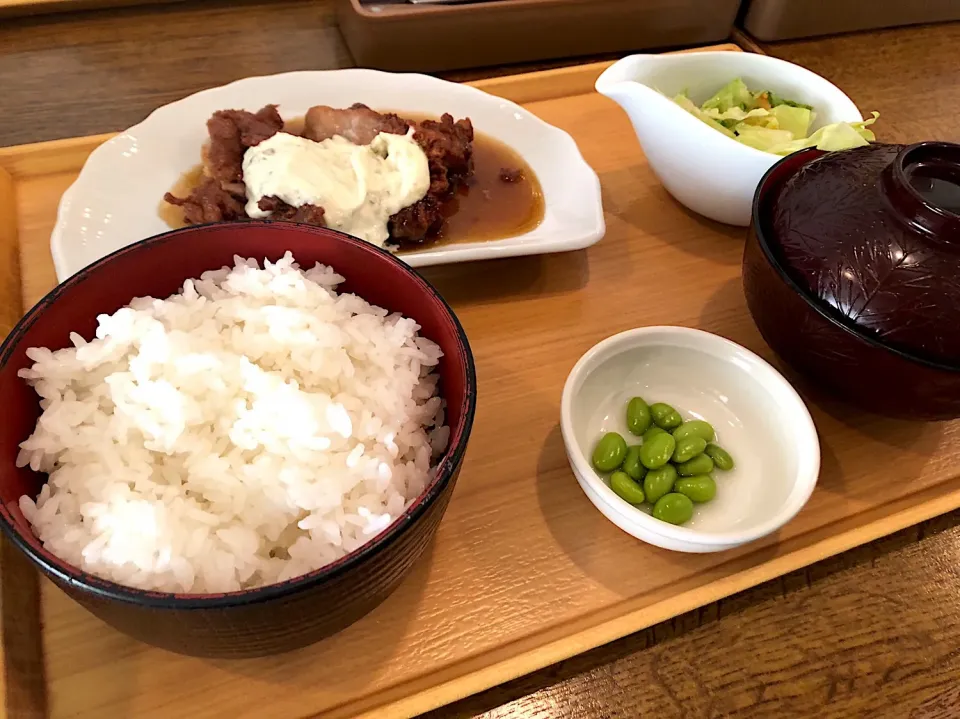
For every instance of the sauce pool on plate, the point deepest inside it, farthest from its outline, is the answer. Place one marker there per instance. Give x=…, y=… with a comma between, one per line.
x=488, y=207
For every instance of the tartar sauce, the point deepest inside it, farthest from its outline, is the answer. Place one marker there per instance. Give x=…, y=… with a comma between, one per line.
x=358, y=186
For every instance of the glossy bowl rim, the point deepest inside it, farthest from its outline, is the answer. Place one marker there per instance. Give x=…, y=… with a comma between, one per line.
x=804, y=482
x=757, y=228
x=107, y=589
x=839, y=102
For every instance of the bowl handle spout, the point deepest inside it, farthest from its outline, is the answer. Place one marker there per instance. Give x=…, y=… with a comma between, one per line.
x=626, y=77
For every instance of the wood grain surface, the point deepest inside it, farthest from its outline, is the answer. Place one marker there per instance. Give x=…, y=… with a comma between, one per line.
x=911, y=75
x=871, y=633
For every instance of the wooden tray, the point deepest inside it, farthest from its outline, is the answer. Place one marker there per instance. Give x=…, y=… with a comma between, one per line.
x=524, y=571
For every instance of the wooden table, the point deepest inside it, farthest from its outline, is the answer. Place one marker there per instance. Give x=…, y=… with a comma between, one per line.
x=874, y=632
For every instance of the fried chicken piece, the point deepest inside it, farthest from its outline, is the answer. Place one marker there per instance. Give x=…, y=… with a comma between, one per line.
x=417, y=222
x=209, y=202
x=280, y=210
x=231, y=133
x=448, y=146
x=220, y=197
x=357, y=123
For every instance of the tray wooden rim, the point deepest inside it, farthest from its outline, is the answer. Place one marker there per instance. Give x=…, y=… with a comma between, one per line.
x=22, y=691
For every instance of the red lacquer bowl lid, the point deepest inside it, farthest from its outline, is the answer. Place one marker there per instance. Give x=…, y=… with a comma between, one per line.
x=873, y=235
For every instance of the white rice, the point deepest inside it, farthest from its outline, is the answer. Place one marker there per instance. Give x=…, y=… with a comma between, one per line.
x=249, y=429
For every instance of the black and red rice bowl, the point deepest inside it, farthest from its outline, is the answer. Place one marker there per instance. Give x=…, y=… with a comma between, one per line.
x=279, y=616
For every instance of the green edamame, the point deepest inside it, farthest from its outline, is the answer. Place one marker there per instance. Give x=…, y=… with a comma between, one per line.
x=626, y=488
x=609, y=453
x=688, y=448
x=695, y=428
x=701, y=464
x=652, y=432
x=670, y=469
x=658, y=451
x=632, y=464
x=721, y=457
x=638, y=416
x=659, y=482
x=674, y=508
x=699, y=488
x=665, y=416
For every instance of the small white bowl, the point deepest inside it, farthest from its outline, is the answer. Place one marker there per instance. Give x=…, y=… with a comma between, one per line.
x=759, y=418
x=710, y=173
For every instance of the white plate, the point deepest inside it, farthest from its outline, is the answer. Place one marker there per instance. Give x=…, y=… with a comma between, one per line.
x=114, y=200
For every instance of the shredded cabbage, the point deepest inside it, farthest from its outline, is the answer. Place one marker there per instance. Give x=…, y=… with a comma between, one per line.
x=768, y=122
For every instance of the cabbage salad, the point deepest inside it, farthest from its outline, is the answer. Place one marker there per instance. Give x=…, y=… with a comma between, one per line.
x=774, y=124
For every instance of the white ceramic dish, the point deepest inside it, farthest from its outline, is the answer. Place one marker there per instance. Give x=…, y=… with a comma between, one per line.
x=705, y=170
x=114, y=200
x=757, y=415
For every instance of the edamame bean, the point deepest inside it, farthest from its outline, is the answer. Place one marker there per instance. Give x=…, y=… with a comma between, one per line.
x=699, y=488
x=696, y=428
x=658, y=451
x=659, y=482
x=652, y=432
x=674, y=508
x=632, y=465
x=609, y=453
x=688, y=448
x=701, y=464
x=625, y=488
x=665, y=416
x=721, y=457
x=638, y=416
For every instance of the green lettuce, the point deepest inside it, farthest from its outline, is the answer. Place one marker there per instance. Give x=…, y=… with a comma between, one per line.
x=687, y=104
x=776, y=101
x=763, y=138
x=796, y=120
x=771, y=123
x=735, y=115
x=838, y=136
x=734, y=94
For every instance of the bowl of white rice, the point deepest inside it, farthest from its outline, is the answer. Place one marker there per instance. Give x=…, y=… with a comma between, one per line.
x=233, y=440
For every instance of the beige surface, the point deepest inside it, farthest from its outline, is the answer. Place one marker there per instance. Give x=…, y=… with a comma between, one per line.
x=523, y=571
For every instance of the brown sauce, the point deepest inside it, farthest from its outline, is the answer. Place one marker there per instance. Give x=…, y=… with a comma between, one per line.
x=489, y=208
x=294, y=126
x=486, y=209
x=171, y=214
